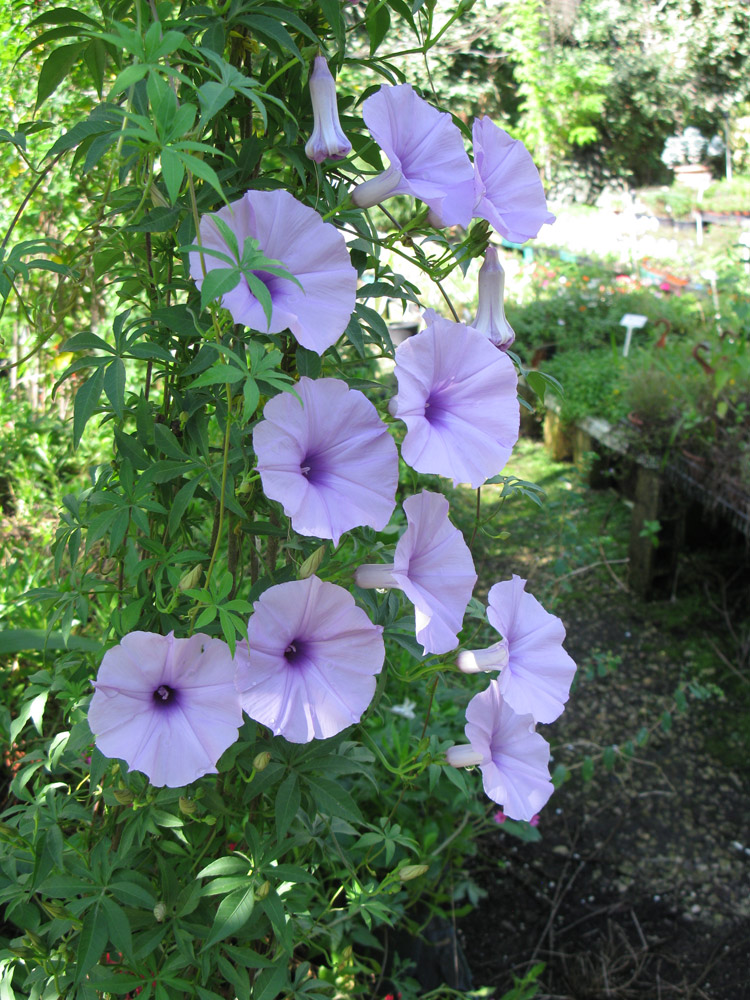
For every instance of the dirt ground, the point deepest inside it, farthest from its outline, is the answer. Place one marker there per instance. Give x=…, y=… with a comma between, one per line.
x=640, y=886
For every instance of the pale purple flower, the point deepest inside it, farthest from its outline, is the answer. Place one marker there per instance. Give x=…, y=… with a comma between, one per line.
x=508, y=191
x=166, y=706
x=457, y=397
x=308, y=668
x=328, y=459
x=425, y=150
x=433, y=567
x=535, y=671
x=318, y=309
x=327, y=139
x=490, y=319
x=513, y=758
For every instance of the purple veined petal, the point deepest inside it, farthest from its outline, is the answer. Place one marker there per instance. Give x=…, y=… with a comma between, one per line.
x=424, y=146
x=313, y=251
x=457, y=397
x=166, y=706
x=539, y=672
x=327, y=139
x=433, y=567
x=515, y=768
x=308, y=668
x=330, y=461
x=508, y=189
x=490, y=319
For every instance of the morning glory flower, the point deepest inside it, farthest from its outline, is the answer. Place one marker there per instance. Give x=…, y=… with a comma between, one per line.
x=433, y=567
x=508, y=191
x=457, y=397
x=490, y=319
x=166, y=706
x=514, y=759
x=535, y=671
x=426, y=154
x=317, y=309
x=327, y=139
x=308, y=668
x=328, y=459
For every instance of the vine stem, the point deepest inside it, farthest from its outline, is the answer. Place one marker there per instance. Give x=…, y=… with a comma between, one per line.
x=224, y=470
x=476, y=519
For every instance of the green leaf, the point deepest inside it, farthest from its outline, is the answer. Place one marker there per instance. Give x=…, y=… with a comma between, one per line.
x=229, y=865
x=377, y=22
x=219, y=373
x=218, y=282
x=173, y=172
x=166, y=441
x=332, y=11
x=55, y=69
x=86, y=401
x=118, y=926
x=332, y=799
x=233, y=913
x=22, y=640
x=91, y=943
x=286, y=805
x=251, y=394
x=114, y=386
x=180, y=503
x=587, y=769
x=270, y=982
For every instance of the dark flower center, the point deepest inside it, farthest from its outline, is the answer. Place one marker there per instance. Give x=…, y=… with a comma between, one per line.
x=296, y=652
x=312, y=468
x=164, y=695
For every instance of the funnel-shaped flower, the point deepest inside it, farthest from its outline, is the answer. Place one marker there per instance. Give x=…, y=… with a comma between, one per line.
x=508, y=191
x=490, y=319
x=433, y=567
x=457, y=397
x=426, y=154
x=514, y=759
x=312, y=250
x=308, y=668
x=329, y=459
x=327, y=139
x=535, y=671
x=166, y=706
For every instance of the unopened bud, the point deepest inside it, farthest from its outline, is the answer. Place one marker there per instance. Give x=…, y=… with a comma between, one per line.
x=490, y=319
x=261, y=760
x=160, y=911
x=409, y=872
x=124, y=796
x=187, y=806
x=191, y=578
x=327, y=139
x=463, y=755
x=262, y=891
x=158, y=198
x=312, y=563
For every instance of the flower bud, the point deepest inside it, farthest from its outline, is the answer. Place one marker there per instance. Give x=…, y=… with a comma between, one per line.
x=409, y=872
x=476, y=661
x=191, y=578
x=124, y=796
x=261, y=760
x=187, y=806
x=463, y=755
x=490, y=319
x=262, y=891
x=312, y=563
x=327, y=139
x=160, y=911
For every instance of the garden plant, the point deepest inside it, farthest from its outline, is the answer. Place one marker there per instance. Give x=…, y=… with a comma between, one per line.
x=236, y=745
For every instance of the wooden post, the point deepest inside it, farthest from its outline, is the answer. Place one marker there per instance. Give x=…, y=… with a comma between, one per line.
x=651, y=565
